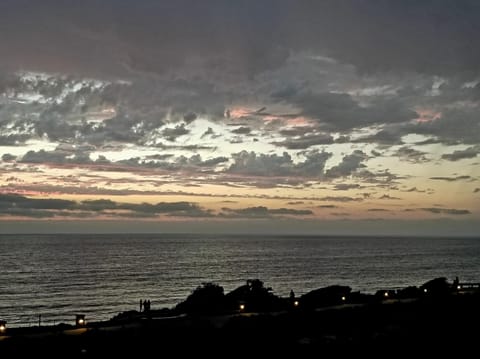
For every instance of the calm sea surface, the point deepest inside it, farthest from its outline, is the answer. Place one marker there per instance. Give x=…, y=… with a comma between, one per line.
x=57, y=276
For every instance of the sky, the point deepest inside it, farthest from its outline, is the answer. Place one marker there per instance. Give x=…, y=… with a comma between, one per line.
x=269, y=116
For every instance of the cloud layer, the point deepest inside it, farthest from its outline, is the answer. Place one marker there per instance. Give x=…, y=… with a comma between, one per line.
x=270, y=103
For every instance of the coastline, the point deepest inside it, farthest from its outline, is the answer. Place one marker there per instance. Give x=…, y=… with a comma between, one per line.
x=439, y=318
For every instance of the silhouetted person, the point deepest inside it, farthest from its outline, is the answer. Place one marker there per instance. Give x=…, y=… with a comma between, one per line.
x=141, y=305
x=146, y=305
x=292, y=295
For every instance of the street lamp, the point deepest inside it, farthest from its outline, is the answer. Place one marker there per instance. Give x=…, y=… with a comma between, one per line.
x=80, y=320
x=3, y=326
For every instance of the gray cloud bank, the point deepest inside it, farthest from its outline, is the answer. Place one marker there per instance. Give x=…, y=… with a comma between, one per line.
x=149, y=36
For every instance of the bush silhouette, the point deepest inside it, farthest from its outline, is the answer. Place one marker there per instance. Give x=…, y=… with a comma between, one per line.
x=207, y=298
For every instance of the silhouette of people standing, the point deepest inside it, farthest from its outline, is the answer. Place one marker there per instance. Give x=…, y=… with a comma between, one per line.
x=292, y=296
x=141, y=305
x=146, y=305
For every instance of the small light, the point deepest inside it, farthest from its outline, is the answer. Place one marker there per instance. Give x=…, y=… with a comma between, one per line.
x=385, y=294
x=295, y=303
x=80, y=320
x=343, y=298
x=242, y=306
x=3, y=328
x=458, y=287
x=425, y=290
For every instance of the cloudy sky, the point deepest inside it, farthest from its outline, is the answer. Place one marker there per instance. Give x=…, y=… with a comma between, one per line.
x=271, y=115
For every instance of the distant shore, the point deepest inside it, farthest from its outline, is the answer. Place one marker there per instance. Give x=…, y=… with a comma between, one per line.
x=332, y=320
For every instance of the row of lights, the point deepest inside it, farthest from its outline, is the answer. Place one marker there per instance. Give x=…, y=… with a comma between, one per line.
x=295, y=303
x=79, y=321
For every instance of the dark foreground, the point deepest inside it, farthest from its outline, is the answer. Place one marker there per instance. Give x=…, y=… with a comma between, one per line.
x=428, y=325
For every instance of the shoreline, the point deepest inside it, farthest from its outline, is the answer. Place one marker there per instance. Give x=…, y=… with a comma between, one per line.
x=316, y=322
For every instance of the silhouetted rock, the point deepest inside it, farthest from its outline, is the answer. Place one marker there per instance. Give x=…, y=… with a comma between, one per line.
x=332, y=295
x=254, y=297
x=207, y=298
x=437, y=286
x=409, y=292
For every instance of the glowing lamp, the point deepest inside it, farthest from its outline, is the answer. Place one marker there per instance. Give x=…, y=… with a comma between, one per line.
x=80, y=320
x=425, y=290
x=242, y=306
x=296, y=303
x=3, y=326
x=458, y=287
x=385, y=294
x=344, y=298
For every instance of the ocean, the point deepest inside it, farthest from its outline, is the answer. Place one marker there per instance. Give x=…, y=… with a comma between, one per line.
x=56, y=276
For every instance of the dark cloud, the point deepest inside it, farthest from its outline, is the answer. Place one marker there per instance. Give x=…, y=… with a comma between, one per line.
x=208, y=132
x=25, y=212
x=250, y=163
x=350, y=164
x=389, y=135
x=470, y=152
x=306, y=141
x=387, y=196
x=17, y=205
x=58, y=156
x=13, y=140
x=192, y=162
x=415, y=189
x=345, y=186
x=7, y=157
x=458, y=125
x=98, y=205
x=253, y=164
x=327, y=206
x=243, y=130
x=262, y=212
x=13, y=204
x=212, y=162
x=43, y=156
x=297, y=131
x=190, y=117
x=340, y=199
x=290, y=211
x=377, y=210
x=450, y=179
x=340, y=111
x=446, y=211
x=314, y=164
x=411, y=155
x=171, y=134
x=153, y=37
x=476, y=190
